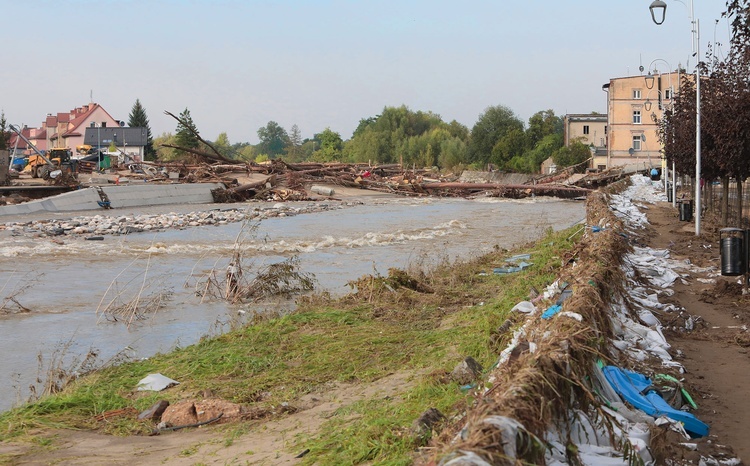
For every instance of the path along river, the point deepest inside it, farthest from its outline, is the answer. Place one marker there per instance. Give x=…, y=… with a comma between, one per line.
x=66, y=284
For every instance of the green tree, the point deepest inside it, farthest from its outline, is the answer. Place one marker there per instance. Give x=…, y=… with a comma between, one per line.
x=400, y=135
x=165, y=153
x=573, y=154
x=273, y=139
x=138, y=119
x=489, y=129
x=330, y=146
x=184, y=137
x=541, y=124
x=294, y=149
x=223, y=146
x=511, y=144
x=364, y=123
x=3, y=131
x=247, y=153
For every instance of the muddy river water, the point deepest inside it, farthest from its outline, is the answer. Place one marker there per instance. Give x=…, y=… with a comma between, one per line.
x=61, y=289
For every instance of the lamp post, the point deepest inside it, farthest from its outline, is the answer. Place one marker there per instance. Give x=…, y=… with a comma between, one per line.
x=658, y=13
x=662, y=97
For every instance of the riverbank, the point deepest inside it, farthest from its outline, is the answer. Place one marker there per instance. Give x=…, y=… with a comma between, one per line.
x=341, y=381
x=398, y=335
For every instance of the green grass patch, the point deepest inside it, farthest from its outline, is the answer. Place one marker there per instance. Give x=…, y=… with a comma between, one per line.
x=424, y=324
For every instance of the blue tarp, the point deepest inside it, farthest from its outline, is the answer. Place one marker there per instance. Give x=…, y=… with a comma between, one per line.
x=637, y=390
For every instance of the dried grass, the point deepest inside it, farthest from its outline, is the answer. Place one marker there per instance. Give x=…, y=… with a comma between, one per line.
x=243, y=281
x=540, y=389
x=134, y=300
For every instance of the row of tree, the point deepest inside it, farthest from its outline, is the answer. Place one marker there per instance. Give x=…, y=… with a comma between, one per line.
x=724, y=113
x=400, y=135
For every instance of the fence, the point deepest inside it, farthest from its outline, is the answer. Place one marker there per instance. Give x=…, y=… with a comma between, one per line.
x=713, y=198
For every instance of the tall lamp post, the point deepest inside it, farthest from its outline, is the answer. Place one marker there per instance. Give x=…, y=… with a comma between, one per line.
x=658, y=13
x=662, y=96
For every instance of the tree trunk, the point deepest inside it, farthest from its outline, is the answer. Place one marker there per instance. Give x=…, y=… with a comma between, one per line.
x=724, y=200
x=739, y=203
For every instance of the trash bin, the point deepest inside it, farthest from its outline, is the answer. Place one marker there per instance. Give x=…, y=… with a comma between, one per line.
x=669, y=192
x=686, y=210
x=105, y=162
x=733, y=254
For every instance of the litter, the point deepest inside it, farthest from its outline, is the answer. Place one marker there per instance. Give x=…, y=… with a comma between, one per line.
x=638, y=390
x=552, y=310
x=512, y=269
x=156, y=383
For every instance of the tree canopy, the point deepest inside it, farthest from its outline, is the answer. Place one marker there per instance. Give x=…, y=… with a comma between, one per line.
x=138, y=119
x=273, y=140
x=493, y=126
x=184, y=137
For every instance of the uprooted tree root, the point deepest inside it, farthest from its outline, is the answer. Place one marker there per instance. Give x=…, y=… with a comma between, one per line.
x=540, y=389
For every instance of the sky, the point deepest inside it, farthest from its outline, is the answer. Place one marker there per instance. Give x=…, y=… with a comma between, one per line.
x=238, y=64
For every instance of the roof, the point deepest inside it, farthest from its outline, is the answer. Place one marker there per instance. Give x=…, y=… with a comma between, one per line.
x=97, y=137
x=586, y=117
x=80, y=119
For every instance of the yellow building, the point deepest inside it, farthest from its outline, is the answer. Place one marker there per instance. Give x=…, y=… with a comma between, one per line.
x=589, y=129
x=635, y=104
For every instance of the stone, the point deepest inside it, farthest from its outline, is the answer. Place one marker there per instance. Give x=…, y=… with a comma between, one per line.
x=467, y=371
x=422, y=426
x=154, y=412
x=192, y=412
x=180, y=414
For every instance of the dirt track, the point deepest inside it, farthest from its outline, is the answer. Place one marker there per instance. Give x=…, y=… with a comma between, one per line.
x=716, y=355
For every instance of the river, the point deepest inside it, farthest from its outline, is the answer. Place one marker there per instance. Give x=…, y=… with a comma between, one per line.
x=70, y=288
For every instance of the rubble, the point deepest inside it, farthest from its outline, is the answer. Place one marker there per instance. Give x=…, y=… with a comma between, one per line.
x=129, y=224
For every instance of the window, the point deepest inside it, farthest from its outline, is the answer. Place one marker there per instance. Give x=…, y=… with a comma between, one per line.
x=636, y=94
x=637, y=142
x=585, y=129
x=636, y=117
x=668, y=93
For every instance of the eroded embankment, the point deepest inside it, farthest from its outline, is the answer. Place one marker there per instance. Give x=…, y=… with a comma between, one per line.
x=547, y=401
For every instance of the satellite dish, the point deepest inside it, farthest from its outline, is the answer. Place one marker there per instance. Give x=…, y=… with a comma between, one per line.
x=631, y=151
x=643, y=137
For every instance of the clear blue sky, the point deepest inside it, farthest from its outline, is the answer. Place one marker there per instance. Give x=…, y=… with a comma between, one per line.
x=239, y=64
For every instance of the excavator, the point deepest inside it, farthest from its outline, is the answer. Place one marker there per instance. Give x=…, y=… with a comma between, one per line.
x=44, y=166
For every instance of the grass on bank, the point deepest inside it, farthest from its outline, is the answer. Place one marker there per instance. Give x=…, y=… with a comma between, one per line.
x=421, y=323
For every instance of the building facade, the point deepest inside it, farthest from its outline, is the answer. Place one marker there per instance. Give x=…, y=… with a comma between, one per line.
x=635, y=104
x=591, y=130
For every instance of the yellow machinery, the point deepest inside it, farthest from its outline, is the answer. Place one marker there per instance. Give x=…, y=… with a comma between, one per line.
x=84, y=149
x=41, y=165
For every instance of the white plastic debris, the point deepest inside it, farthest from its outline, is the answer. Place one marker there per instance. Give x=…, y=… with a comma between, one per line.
x=526, y=307
x=572, y=315
x=156, y=383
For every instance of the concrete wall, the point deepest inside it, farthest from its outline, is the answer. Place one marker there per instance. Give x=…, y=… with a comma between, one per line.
x=119, y=197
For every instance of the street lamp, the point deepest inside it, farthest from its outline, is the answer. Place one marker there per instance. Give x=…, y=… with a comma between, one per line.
x=658, y=10
x=661, y=97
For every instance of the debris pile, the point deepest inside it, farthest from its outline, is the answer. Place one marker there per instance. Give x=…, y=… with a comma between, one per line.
x=588, y=377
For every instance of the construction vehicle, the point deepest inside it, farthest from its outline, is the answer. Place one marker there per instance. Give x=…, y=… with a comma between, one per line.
x=44, y=166
x=84, y=149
